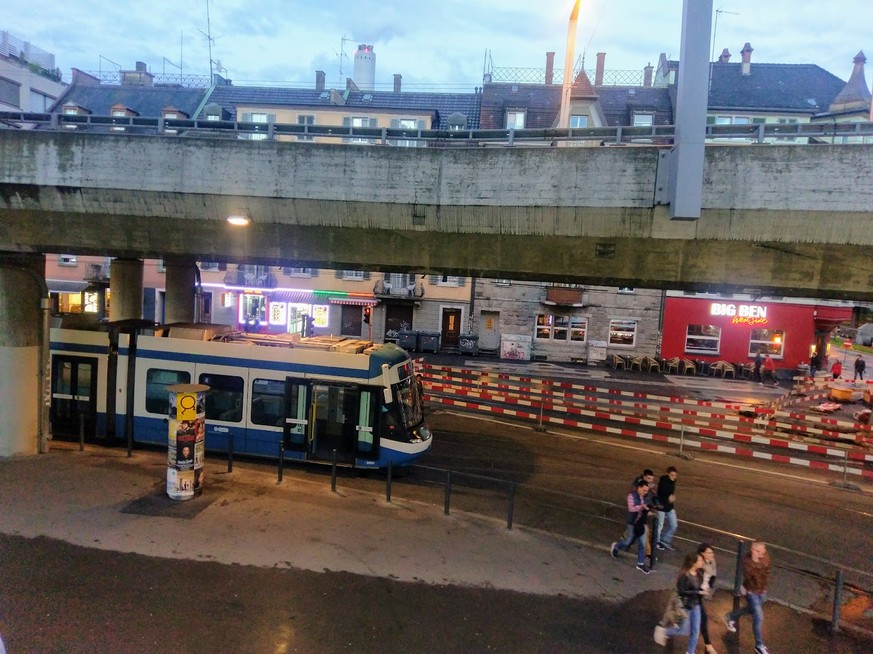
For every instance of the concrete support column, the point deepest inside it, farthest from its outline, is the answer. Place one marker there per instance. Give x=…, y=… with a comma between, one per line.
x=179, y=300
x=125, y=289
x=23, y=354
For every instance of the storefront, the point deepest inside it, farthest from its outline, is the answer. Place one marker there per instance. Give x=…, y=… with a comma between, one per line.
x=303, y=312
x=719, y=329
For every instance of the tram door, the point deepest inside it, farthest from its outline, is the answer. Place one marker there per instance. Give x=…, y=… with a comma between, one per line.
x=322, y=417
x=74, y=396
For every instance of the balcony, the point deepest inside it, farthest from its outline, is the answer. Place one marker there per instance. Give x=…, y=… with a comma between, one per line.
x=386, y=289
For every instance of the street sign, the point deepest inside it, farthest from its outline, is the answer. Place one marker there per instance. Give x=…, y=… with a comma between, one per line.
x=847, y=344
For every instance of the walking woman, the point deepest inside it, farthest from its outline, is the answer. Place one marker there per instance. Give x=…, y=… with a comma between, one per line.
x=708, y=573
x=688, y=589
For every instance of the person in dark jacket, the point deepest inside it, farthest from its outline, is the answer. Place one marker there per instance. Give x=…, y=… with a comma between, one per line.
x=635, y=519
x=708, y=571
x=667, y=512
x=860, y=366
x=688, y=588
x=756, y=580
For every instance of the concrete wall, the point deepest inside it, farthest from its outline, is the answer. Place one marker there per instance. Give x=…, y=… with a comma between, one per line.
x=790, y=219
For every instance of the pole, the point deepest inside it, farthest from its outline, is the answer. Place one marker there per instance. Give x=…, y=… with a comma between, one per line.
x=511, y=509
x=564, y=121
x=333, y=472
x=281, y=460
x=230, y=452
x=738, y=574
x=388, y=483
x=838, y=602
x=448, y=499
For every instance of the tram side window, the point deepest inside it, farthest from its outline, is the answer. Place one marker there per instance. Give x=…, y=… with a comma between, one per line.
x=157, y=380
x=224, y=399
x=268, y=398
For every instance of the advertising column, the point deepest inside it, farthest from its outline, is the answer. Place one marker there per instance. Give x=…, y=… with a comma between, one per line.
x=186, y=442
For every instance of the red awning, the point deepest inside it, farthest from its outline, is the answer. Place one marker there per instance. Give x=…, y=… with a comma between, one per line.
x=355, y=301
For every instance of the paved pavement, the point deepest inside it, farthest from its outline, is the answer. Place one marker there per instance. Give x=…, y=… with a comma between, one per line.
x=96, y=558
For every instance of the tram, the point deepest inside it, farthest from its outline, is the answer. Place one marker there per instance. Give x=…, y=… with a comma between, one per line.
x=306, y=399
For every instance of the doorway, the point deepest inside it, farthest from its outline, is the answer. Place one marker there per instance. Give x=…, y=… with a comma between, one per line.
x=489, y=336
x=74, y=396
x=451, y=329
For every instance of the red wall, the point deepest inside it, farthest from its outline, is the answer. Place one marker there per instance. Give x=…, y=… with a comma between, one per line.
x=796, y=320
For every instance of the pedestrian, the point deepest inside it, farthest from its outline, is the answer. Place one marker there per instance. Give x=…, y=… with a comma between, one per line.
x=814, y=364
x=648, y=477
x=769, y=371
x=757, y=367
x=708, y=572
x=837, y=369
x=688, y=589
x=667, y=511
x=756, y=579
x=860, y=366
x=635, y=519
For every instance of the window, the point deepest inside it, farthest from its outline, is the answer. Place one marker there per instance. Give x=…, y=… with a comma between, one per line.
x=353, y=275
x=446, y=280
x=406, y=123
x=767, y=341
x=10, y=93
x=556, y=327
x=67, y=260
x=359, y=121
x=268, y=402
x=157, y=399
x=300, y=272
x=643, y=119
x=40, y=101
x=515, y=118
x=224, y=398
x=623, y=332
x=209, y=265
x=626, y=290
x=305, y=119
x=503, y=282
x=578, y=120
x=703, y=339
x=258, y=118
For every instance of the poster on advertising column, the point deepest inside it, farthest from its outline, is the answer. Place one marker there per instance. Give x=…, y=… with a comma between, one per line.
x=186, y=440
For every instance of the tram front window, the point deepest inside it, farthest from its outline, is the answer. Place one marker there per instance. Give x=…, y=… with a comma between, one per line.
x=410, y=401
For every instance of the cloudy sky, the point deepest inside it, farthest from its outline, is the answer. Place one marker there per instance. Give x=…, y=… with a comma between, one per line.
x=437, y=45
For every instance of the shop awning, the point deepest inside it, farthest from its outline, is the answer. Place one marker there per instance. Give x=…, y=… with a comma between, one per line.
x=66, y=285
x=355, y=301
x=291, y=297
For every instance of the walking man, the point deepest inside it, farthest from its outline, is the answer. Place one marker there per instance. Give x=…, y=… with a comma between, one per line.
x=637, y=512
x=756, y=579
x=667, y=512
x=860, y=366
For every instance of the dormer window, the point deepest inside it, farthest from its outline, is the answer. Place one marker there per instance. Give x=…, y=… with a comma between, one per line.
x=170, y=113
x=120, y=111
x=643, y=119
x=72, y=110
x=515, y=118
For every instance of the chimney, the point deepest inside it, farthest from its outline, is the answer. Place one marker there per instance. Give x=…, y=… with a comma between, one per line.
x=140, y=76
x=319, y=81
x=598, y=72
x=746, y=66
x=725, y=56
x=397, y=79
x=82, y=78
x=647, y=75
x=550, y=67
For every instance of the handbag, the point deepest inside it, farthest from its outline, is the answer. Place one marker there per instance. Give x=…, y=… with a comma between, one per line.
x=675, y=613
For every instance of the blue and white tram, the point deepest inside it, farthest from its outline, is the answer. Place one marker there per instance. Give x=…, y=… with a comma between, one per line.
x=308, y=397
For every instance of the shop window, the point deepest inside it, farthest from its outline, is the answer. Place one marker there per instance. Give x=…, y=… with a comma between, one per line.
x=157, y=399
x=767, y=341
x=703, y=339
x=578, y=329
x=556, y=327
x=225, y=396
x=622, y=333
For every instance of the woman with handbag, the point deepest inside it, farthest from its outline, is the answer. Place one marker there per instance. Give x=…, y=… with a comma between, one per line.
x=688, y=592
x=708, y=571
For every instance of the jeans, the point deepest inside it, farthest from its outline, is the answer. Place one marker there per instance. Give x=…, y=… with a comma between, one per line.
x=755, y=607
x=666, y=535
x=628, y=540
x=690, y=627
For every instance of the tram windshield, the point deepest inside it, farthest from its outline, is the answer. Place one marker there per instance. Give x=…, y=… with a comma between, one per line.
x=410, y=401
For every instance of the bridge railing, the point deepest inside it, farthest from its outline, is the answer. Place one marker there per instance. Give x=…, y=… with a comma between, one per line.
x=656, y=135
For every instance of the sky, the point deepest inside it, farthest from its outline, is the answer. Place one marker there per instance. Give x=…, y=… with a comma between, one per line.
x=443, y=45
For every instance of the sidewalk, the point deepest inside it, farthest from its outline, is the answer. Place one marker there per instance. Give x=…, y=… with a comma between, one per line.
x=100, y=500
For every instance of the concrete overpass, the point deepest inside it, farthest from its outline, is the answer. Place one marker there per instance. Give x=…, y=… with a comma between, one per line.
x=794, y=220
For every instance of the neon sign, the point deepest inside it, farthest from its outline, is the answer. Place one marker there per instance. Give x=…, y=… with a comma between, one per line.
x=740, y=314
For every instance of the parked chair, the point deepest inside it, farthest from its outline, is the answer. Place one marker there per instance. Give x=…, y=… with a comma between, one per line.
x=651, y=364
x=688, y=367
x=672, y=365
x=723, y=369
x=637, y=362
x=617, y=361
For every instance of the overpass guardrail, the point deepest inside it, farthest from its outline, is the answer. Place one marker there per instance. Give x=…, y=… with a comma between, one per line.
x=656, y=135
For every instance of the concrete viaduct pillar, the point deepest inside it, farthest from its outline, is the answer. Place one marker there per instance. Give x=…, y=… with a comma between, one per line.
x=179, y=298
x=125, y=289
x=25, y=312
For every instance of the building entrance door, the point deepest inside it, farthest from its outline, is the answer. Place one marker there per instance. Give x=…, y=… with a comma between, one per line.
x=451, y=329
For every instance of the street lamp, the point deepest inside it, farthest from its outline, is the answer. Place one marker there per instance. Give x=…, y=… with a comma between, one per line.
x=238, y=220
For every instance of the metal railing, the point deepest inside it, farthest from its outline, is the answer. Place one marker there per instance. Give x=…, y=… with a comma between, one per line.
x=656, y=135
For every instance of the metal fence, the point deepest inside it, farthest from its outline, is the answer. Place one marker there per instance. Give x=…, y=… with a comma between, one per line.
x=657, y=135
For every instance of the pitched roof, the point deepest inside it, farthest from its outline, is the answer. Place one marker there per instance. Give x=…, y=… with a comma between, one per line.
x=444, y=104
x=855, y=94
x=789, y=88
x=144, y=100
